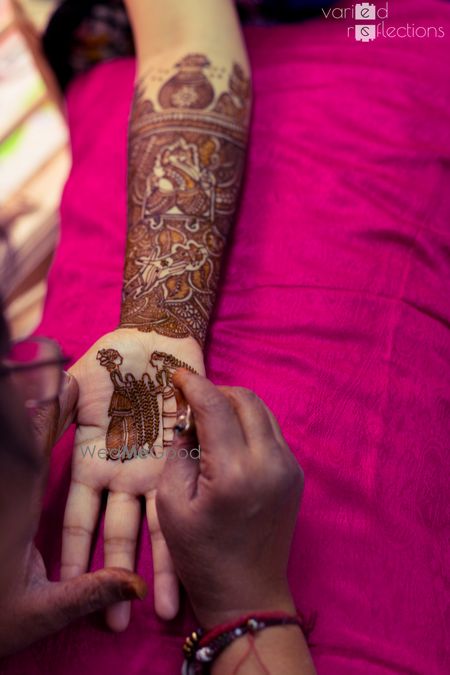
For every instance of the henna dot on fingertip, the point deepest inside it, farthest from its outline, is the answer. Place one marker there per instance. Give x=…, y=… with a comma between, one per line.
x=181, y=372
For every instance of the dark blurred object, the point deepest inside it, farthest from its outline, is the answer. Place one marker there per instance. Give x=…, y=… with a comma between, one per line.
x=84, y=32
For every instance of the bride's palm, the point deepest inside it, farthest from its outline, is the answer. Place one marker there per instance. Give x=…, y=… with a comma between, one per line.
x=125, y=415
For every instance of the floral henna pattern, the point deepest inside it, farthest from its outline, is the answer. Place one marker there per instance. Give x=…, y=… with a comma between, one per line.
x=134, y=409
x=186, y=160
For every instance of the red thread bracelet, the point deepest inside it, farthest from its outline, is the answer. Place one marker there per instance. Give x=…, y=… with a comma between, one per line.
x=231, y=625
x=201, y=649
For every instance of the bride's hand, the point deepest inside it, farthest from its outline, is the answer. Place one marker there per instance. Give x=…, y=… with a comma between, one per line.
x=126, y=411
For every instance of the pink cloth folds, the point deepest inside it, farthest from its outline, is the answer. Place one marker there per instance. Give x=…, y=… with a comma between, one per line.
x=334, y=307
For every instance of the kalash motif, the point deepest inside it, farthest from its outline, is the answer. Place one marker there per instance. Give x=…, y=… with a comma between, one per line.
x=189, y=88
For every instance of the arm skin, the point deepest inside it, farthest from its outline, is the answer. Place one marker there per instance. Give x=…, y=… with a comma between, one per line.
x=187, y=142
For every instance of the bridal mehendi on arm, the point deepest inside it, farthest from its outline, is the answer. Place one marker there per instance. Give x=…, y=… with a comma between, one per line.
x=186, y=161
x=134, y=410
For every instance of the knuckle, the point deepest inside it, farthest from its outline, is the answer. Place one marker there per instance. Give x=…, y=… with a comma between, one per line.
x=268, y=478
x=236, y=483
x=244, y=395
x=77, y=530
x=282, y=473
x=115, y=543
x=271, y=458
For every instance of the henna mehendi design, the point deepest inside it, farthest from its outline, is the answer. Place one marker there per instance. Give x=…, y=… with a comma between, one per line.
x=134, y=409
x=186, y=160
x=166, y=365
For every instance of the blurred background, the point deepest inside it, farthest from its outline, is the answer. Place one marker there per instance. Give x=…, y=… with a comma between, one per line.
x=34, y=161
x=38, y=10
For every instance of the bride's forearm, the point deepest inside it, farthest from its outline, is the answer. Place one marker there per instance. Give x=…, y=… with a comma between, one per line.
x=187, y=142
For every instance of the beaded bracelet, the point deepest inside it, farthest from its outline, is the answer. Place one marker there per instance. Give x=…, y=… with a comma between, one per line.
x=201, y=649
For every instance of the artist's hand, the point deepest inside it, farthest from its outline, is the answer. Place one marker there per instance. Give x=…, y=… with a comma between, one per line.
x=228, y=518
x=32, y=607
x=121, y=415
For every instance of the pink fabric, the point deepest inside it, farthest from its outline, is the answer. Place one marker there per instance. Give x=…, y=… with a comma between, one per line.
x=334, y=307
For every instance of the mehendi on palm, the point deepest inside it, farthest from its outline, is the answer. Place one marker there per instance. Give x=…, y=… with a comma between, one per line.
x=135, y=410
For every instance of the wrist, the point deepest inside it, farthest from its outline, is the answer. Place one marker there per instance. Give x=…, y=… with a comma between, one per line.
x=186, y=350
x=209, y=618
x=169, y=328
x=231, y=645
x=276, y=648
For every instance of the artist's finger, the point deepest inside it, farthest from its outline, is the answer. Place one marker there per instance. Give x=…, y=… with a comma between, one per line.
x=121, y=528
x=217, y=425
x=180, y=474
x=68, y=600
x=80, y=520
x=166, y=585
x=45, y=611
x=253, y=415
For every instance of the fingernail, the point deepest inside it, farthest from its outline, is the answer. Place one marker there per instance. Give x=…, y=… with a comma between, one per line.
x=140, y=588
x=182, y=372
x=66, y=390
x=67, y=378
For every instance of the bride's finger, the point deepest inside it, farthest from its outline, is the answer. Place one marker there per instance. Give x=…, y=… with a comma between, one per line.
x=166, y=585
x=122, y=518
x=80, y=519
